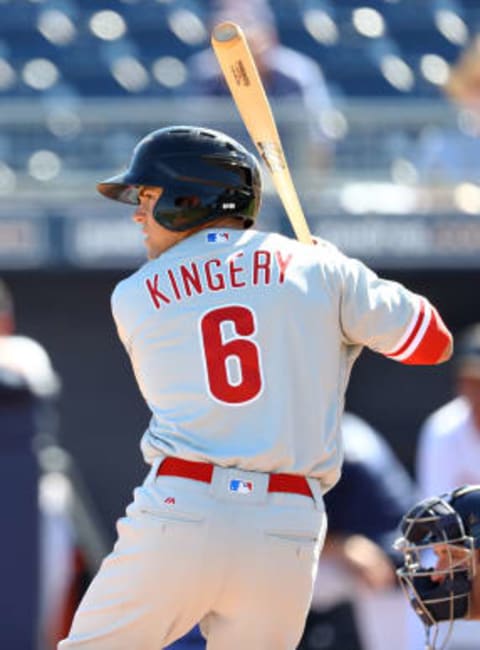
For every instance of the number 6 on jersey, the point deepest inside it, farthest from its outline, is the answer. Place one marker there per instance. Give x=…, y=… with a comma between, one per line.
x=233, y=366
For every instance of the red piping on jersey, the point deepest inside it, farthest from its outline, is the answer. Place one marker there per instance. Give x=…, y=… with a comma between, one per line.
x=413, y=333
x=433, y=342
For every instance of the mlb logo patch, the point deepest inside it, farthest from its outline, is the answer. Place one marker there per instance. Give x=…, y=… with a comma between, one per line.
x=240, y=487
x=217, y=237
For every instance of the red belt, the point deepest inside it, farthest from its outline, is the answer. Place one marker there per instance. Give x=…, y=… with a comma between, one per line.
x=204, y=471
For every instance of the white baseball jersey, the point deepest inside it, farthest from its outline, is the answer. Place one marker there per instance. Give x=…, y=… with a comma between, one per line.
x=449, y=449
x=242, y=344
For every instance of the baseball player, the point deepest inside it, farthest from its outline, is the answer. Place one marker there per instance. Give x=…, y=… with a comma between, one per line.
x=441, y=547
x=242, y=343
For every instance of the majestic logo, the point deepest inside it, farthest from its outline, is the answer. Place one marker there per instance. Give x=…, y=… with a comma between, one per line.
x=240, y=486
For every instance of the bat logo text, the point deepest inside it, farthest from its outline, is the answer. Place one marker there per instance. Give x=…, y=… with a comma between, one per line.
x=240, y=74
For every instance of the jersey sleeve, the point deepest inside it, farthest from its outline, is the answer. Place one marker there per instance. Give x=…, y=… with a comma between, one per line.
x=388, y=318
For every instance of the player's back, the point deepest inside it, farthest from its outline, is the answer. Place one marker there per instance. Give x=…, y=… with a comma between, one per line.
x=236, y=345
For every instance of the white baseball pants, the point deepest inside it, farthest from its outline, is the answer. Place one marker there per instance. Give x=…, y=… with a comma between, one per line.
x=228, y=554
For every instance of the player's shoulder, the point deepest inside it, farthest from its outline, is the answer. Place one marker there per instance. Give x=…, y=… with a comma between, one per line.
x=23, y=346
x=318, y=250
x=31, y=360
x=362, y=443
x=322, y=256
x=448, y=421
x=126, y=288
x=121, y=289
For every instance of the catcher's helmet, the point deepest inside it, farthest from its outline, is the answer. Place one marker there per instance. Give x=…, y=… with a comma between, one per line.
x=204, y=175
x=452, y=519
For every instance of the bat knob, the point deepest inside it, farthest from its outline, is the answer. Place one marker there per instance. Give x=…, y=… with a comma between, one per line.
x=225, y=31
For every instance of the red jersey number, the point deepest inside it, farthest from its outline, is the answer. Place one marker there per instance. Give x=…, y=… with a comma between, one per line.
x=240, y=352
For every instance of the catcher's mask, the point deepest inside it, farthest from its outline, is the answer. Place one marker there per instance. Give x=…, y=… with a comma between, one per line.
x=439, y=538
x=204, y=175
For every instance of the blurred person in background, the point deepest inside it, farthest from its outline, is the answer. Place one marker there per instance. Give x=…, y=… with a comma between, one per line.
x=357, y=601
x=28, y=384
x=448, y=452
x=42, y=587
x=452, y=154
x=287, y=74
x=449, y=443
x=19, y=562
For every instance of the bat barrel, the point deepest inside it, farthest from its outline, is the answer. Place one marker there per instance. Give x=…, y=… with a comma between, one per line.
x=243, y=79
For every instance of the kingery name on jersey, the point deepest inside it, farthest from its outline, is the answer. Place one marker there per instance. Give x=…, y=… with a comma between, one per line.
x=237, y=271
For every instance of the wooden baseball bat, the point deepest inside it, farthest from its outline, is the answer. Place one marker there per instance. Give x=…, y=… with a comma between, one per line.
x=241, y=74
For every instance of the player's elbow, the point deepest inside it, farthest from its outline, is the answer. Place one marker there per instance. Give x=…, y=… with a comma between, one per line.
x=447, y=351
x=436, y=346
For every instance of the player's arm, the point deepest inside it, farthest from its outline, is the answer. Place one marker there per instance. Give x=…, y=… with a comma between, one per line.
x=427, y=340
x=391, y=320
x=447, y=352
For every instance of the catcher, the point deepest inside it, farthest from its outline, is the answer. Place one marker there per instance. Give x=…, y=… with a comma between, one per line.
x=441, y=548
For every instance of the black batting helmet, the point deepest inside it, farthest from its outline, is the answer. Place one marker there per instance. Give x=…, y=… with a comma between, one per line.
x=204, y=175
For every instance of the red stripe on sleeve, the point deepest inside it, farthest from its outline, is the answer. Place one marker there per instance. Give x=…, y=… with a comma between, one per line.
x=433, y=343
x=413, y=333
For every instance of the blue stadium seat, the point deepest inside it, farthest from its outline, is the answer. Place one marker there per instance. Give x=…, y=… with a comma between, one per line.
x=348, y=64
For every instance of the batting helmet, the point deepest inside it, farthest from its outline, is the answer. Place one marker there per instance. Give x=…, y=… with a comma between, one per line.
x=204, y=175
x=452, y=519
